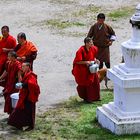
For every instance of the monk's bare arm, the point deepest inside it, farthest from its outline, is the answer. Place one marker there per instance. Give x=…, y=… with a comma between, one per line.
x=88, y=62
x=19, y=76
x=7, y=50
x=84, y=63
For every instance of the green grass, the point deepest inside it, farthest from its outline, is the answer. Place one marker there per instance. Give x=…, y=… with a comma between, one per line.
x=121, y=13
x=72, y=120
x=63, y=21
x=57, y=23
x=62, y=1
x=70, y=33
x=89, y=10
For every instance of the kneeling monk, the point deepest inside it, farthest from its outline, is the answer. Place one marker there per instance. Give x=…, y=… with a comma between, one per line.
x=24, y=113
x=88, y=83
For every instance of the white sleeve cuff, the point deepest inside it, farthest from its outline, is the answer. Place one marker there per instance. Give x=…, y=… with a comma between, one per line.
x=113, y=37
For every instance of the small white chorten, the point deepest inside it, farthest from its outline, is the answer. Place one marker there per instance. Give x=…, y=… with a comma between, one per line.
x=123, y=115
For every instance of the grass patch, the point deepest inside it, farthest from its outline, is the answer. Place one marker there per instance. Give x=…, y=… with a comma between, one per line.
x=73, y=120
x=73, y=18
x=62, y=24
x=90, y=10
x=70, y=34
x=121, y=13
x=62, y=1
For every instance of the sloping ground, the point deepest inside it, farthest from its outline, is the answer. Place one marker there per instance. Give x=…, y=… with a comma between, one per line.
x=69, y=120
x=58, y=28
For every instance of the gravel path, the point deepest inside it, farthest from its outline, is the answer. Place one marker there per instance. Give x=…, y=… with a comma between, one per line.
x=57, y=50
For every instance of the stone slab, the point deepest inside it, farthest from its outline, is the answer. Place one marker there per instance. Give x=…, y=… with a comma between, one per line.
x=117, y=123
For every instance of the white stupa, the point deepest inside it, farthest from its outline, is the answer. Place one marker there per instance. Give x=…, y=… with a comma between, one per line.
x=123, y=115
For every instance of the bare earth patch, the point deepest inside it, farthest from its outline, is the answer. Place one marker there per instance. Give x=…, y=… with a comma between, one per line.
x=58, y=28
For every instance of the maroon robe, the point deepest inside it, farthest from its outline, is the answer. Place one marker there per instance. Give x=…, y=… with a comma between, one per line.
x=12, y=69
x=101, y=38
x=88, y=83
x=24, y=113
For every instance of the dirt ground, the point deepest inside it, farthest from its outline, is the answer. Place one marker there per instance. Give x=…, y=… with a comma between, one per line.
x=57, y=47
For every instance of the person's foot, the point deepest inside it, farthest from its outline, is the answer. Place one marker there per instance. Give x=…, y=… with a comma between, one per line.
x=88, y=102
x=29, y=128
x=15, y=127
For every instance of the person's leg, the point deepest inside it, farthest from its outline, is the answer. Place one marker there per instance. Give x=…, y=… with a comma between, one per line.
x=101, y=65
x=15, y=118
x=8, y=104
x=82, y=92
x=32, y=124
x=93, y=90
x=23, y=117
x=33, y=110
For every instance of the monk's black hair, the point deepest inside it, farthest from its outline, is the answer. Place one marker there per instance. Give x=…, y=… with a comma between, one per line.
x=5, y=27
x=101, y=16
x=87, y=40
x=22, y=35
x=12, y=54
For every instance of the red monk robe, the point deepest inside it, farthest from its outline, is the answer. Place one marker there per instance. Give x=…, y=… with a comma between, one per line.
x=24, y=113
x=28, y=50
x=88, y=84
x=8, y=43
x=12, y=69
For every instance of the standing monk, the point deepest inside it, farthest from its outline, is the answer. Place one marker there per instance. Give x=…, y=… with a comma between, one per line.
x=88, y=83
x=103, y=36
x=7, y=43
x=13, y=74
x=24, y=113
x=26, y=50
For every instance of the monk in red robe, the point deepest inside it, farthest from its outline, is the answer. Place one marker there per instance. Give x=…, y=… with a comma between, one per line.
x=26, y=50
x=13, y=74
x=7, y=43
x=88, y=83
x=103, y=35
x=24, y=113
